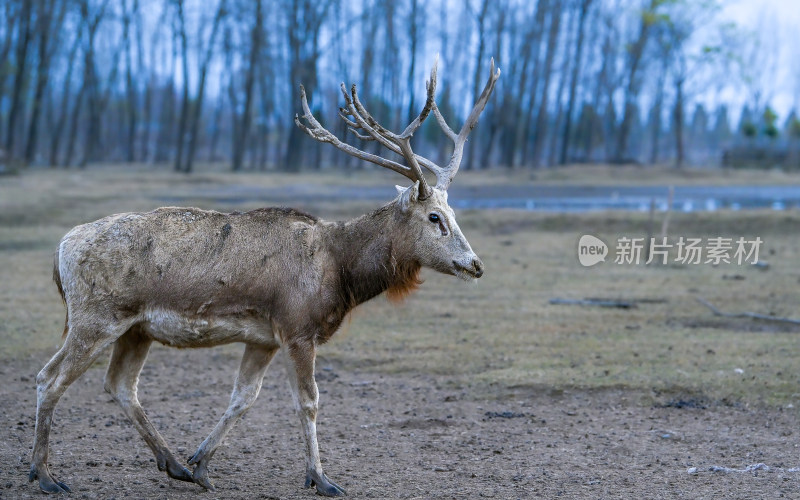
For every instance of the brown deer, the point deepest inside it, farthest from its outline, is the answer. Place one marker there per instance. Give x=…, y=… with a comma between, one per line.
x=271, y=278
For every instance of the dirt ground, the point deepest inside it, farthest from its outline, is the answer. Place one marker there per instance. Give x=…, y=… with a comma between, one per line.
x=393, y=436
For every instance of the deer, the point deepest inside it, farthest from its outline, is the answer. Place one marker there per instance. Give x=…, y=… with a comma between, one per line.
x=274, y=279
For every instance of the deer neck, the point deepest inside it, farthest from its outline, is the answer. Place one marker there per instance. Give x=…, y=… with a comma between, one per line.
x=374, y=254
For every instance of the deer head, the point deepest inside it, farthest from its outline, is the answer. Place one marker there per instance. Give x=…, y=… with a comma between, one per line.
x=437, y=239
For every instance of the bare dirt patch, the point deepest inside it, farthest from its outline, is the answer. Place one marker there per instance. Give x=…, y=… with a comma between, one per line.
x=401, y=436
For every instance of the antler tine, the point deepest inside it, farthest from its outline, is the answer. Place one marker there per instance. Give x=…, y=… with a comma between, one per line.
x=430, y=103
x=443, y=124
x=353, y=126
x=360, y=123
x=318, y=132
x=444, y=178
x=343, y=113
x=400, y=144
x=480, y=104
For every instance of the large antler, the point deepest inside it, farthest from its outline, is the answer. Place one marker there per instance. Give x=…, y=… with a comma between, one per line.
x=445, y=175
x=363, y=125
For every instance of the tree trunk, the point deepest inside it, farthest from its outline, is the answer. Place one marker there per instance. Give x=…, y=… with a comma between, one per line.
x=64, y=107
x=201, y=89
x=655, y=125
x=632, y=89
x=573, y=84
x=526, y=118
x=73, y=128
x=21, y=61
x=47, y=31
x=414, y=36
x=541, y=119
x=562, y=85
x=150, y=83
x=8, y=43
x=608, y=51
x=494, y=116
x=476, y=79
x=513, y=134
x=90, y=83
x=679, y=153
x=240, y=141
x=130, y=87
x=184, y=113
x=305, y=21
x=212, y=147
x=166, y=118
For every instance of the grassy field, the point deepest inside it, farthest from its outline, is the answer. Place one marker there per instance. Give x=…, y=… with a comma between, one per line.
x=501, y=332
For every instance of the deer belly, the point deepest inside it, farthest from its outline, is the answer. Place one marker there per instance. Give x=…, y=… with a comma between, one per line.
x=178, y=330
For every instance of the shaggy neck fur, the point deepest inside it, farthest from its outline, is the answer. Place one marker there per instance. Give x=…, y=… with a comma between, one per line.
x=374, y=254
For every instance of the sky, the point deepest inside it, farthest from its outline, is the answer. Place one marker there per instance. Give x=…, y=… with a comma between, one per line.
x=777, y=22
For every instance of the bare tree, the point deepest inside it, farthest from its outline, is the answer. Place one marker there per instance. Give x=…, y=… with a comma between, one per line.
x=11, y=14
x=635, y=66
x=50, y=18
x=541, y=118
x=91, y=81
x=528, y=93
x=243, y=130
x=584, y=7
x=150, y=79
x=566, y=56
x=21, y=60
x=306, y=18
x=680, y=23
x=481, y=21
x=130, y=85
x=180, y=27
x=416, y=26
x=63, y=108
x=197, y=108
x=494, y=116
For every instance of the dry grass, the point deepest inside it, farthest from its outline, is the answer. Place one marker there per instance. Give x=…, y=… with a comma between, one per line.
x=499, y=333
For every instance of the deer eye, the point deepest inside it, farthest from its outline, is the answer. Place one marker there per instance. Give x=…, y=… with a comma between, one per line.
x=433, y=218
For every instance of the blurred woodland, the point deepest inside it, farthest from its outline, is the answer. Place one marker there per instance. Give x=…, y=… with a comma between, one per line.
x=186, y=81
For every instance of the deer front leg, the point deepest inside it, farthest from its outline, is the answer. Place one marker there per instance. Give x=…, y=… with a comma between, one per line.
x=245, y=391
x=299, y=359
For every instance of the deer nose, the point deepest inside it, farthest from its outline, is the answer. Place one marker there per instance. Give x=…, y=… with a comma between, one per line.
x=477, y=265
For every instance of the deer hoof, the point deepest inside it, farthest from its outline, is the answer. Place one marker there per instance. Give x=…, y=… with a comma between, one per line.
x=205, y=483
x=324, y=486
x=200, y=476
x=198, y=455
x=179, y=472
x=47, y=483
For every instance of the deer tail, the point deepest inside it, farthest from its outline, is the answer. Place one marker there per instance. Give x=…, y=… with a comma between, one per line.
x=57, y=279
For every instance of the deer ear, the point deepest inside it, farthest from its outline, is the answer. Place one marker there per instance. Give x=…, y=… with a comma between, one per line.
x=407, y=196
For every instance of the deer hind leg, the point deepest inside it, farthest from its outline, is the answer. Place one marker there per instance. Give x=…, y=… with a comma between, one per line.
x=81, y=347
x=299, y=359
x=122, y=377
x=245, y=391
